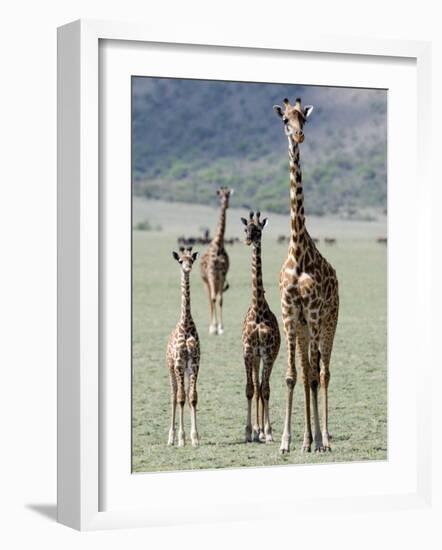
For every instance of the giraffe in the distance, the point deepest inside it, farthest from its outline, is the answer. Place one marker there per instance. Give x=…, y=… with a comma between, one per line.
x=183, y=356
x=215, y=265
x=309, y=298
x=261, y=340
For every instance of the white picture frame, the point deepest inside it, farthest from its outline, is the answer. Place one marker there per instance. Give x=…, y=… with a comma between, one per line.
x=80, y=393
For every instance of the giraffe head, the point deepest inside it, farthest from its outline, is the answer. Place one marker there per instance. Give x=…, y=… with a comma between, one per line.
x=185, y=258
x=294, y=118
x=224, y=194
x=254, y=226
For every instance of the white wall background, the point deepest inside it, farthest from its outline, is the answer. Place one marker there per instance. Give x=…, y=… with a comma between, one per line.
x=28, y=267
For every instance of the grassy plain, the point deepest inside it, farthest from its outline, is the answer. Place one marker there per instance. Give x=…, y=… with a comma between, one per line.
x=358, y=387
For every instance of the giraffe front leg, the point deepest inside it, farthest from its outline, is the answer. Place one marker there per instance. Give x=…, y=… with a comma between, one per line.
x=314, y=382
x=193, y=400
x=266, y=435
x=209, y=289
x=326, y=346
x=173, y=392
x=220, y=326
x=308, y=437
x=248, y=363
x=302, y=350
x=181, y=398
x=257, y=427
x=290, y=380
x=213, y=327
x=324, y=377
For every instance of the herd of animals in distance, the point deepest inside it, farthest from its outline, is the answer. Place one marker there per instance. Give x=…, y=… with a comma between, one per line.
x=309, y=305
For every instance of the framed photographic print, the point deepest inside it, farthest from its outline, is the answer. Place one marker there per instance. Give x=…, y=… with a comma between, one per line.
x=234, y=226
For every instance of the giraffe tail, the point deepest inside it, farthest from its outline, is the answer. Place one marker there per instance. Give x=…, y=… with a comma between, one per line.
x=226, y=286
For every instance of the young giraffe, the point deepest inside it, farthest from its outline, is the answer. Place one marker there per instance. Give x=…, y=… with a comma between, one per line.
x=309, y=298
x=261, y=340
x=183, y=355
x=214, y=266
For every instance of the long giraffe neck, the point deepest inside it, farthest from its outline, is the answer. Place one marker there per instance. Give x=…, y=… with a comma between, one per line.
x=297, y=216
x=221, y=227
x=185, y=297
x=257, y=287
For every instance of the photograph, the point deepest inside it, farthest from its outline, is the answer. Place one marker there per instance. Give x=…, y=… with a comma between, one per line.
x=259, y=274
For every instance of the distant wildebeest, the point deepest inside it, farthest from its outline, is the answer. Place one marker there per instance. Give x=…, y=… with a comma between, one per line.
x=381, y=240
x=315, y=240
x=231, y=241
x=329, y=240
x=186, y=241
x=206, y=238
x=282, y=239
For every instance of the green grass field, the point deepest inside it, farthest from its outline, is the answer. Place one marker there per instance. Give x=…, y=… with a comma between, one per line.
x=358, y=387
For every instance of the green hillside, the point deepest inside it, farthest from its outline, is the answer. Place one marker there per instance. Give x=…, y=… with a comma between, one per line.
x=189, y=137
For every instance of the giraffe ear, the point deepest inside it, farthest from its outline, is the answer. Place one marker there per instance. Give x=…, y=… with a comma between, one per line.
x=278, y=110
x=244, y=221
x=264, y=222
x=308, y=109
x=175, y=255
x=231, y=192
x=195, y=256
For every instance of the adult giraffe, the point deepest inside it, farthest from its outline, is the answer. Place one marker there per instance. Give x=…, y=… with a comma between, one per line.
x=309, y=298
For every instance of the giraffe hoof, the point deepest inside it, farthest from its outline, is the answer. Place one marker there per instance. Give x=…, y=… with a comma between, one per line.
x=319, y=448
x=249, y=437
x=171, y=440
x=195, y=439
x=285, y=447
x=256, y=435
x=213, y=329
x=306, y=448
x=269, y=438
x=326, y=448
x=220, y=329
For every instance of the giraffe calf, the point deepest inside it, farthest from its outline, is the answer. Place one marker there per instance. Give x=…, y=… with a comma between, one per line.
x=261, y=341
x=183, y=356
